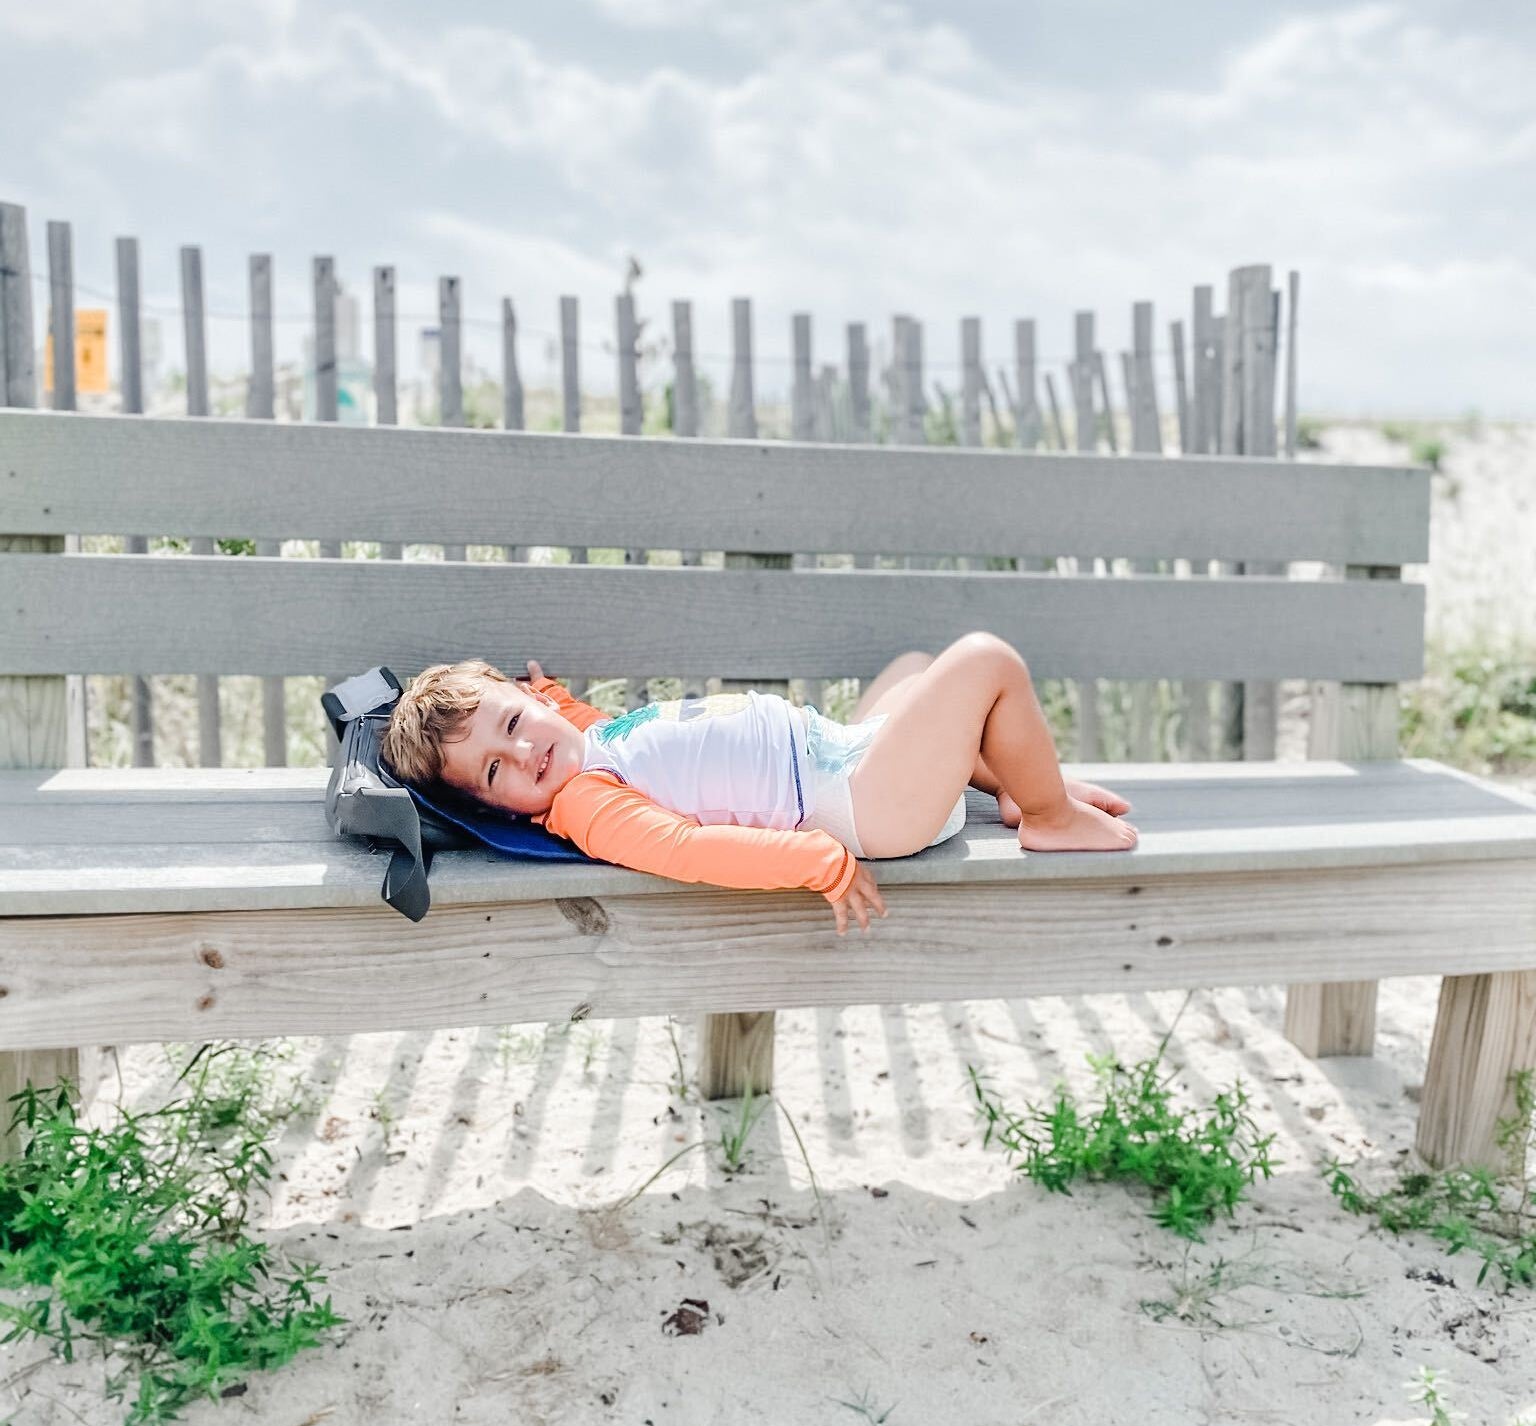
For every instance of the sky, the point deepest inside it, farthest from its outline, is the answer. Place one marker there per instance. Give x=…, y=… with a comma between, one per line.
x=848, y=158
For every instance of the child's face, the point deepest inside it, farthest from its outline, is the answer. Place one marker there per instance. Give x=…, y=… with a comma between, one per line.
x=518, y=753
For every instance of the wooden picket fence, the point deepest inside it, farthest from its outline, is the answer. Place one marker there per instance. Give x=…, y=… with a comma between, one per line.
x=1224, y=379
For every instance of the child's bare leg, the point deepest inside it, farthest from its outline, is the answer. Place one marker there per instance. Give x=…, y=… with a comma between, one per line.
x=976, y=695
x=893, y=685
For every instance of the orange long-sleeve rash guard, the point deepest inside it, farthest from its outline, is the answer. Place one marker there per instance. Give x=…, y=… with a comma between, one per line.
x=617, y=823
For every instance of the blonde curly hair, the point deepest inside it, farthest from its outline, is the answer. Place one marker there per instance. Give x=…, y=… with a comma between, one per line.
x=434, y=710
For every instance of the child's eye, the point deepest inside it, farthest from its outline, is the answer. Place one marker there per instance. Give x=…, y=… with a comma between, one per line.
x=513, y=723
x=490, y=777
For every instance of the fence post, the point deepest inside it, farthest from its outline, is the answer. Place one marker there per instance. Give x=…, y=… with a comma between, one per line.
x=1027, y=421
x=1146, y=439
x=131, y=389
x=32, y=709
x=736, y=1050
x=1259, y=324
x=1290, y=366
x=386, y=386
x=61, y=321
x=512, y=418
x=802, y=412
x=631, y=419
x=1089, y=735
x=970, y=381
x=685, y=390
x=209, y=753
x=741, y=422
x=450, y=376
x=261, y=405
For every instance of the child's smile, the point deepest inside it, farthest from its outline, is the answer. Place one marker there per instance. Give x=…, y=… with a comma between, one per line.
x=517, y=753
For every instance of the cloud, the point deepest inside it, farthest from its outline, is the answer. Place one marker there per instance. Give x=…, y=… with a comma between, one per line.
x=855, y=160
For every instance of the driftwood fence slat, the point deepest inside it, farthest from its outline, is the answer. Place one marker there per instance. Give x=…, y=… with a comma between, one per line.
x=1059, y=430
x=1180, y=383
x=195, y=331
x=450, y=373
x=685, y=390
x=741, y=420
x=131, y=385
x=512, y=414
x=261, y=405
x=802, y=413
x=631, y=421
x=1089, y=738
x=386, y=383
x=1290, y=365
x=970, y=381
x=1027, y=422
x=61, y=314
x=860, y=418
x=61, y=322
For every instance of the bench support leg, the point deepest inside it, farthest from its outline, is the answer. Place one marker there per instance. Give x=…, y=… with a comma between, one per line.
x=44, y=1068
x=1353, y=722
x=1334, y=1019
x=1485, y=1030
x=736, y=1051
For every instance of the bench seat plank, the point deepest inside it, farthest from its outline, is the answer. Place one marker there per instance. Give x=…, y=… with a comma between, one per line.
x=89, y=842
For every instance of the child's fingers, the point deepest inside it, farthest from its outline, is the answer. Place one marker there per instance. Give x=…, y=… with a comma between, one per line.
x=840, y=912
x=535, y=669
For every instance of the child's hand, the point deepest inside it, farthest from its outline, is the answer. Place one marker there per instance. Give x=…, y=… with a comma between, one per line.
x=535, y=671
x=862, y=897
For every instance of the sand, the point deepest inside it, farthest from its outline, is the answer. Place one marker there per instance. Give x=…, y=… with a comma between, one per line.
x=469, y=1196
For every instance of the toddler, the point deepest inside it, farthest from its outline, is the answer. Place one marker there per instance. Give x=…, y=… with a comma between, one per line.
x=747, y=790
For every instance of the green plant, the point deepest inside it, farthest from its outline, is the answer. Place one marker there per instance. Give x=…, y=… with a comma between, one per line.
x=1491, y=1215
x=1397, y=431
x=1475, y=708
x=1429, y=1390
x=1309, y=434
x=132, y=1237
x=734, y=1136
x=384, y=1112
x=1197, y=1164
x=864, y=1408
x=1430, y=452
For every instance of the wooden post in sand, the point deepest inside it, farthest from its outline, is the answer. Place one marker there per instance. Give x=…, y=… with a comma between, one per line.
x=736, y=1050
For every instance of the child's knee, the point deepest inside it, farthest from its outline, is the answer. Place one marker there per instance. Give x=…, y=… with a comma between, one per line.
x=992, y=653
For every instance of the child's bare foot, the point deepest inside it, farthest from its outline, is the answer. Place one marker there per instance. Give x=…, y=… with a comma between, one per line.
x=1089, y=792
x=1081, y=827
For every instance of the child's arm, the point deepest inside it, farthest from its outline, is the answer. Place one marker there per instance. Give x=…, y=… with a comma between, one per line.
x=608, y=819
x=583, y=715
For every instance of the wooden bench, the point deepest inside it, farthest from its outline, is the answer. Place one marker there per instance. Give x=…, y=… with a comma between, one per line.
x=154, y=904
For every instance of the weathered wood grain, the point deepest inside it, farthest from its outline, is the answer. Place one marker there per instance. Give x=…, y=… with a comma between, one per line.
x=85, y=980
x=802, y=412
x=259, y=479
x=117, y=613
x=741, y=416
x=260, y=405
x=1485, y=1031
x=685, y=391
x=61, y=313
x=100, y=840
x=131, y=392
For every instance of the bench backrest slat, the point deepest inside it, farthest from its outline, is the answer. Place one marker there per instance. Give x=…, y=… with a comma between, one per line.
x=62, y=474
x=128, y=614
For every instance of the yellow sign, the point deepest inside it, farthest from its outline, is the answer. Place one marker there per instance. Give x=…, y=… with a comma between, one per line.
x=90, y=353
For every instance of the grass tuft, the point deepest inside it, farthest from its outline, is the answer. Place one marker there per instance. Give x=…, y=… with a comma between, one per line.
x=133, y=1238
x=1490, y=1215
x=1197, y=1163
